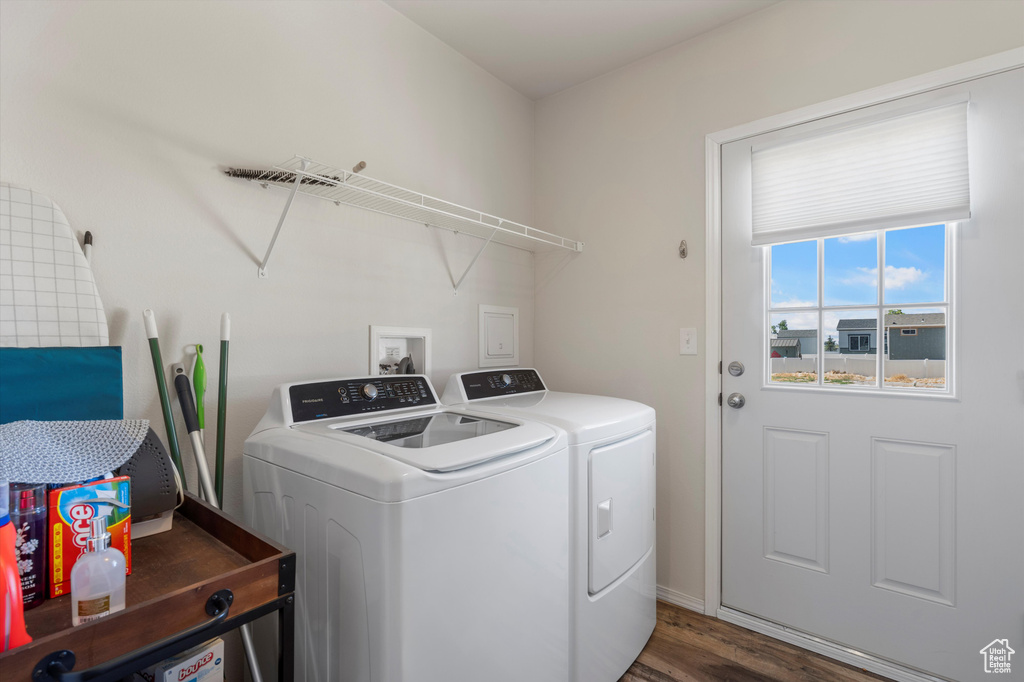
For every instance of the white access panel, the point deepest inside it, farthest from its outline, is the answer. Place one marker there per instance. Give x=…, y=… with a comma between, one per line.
x=499, y=336
x=621, y=507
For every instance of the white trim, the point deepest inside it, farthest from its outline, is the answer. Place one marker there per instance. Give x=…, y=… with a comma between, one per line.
x=953, y=307
x=679, y=599
x=825, y=648
x=713, y=380
x=978, y=68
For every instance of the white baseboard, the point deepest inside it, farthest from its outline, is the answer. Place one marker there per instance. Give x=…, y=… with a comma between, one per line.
x=819, y=646
x=680, y=599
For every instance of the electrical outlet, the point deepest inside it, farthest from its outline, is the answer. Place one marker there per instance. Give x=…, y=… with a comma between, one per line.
x=688, y=341
x=392, y=353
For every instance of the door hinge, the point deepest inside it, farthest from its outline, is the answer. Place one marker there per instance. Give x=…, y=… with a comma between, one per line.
x=719, y=399
x=719, y=366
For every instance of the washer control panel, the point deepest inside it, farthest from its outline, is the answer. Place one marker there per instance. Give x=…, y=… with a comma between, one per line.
x=500, y=383
x=347, y=397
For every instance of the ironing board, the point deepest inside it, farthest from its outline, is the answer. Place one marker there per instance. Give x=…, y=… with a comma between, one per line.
x=48, y=295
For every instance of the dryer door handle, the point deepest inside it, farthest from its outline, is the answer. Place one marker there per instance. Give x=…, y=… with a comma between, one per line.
x=604, y=518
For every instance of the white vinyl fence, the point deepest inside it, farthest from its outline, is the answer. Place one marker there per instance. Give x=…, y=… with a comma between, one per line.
x=919, y=369
x=861, y=364
x=805, y=364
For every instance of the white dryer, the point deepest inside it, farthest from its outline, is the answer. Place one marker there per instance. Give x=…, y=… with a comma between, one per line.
x=613, y=589
x=432, y=545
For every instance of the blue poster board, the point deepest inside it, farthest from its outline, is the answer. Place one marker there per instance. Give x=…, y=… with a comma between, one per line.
x=64, y=383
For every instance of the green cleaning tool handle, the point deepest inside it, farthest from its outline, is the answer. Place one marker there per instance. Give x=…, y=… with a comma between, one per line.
x=161, y=385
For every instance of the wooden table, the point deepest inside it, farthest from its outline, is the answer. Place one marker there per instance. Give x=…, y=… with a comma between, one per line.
x=206, y=576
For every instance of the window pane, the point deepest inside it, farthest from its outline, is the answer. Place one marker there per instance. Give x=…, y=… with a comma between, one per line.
x=915, y=348
x=855, y=340
x=795, y=275
x=793, y=348
x=915, y=265
x=851, y=270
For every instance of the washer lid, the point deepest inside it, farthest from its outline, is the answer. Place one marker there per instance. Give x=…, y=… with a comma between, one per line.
x=440, y=440
x=521, y=392
x=585, y=418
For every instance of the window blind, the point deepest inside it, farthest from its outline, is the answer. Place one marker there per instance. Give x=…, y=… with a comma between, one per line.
x=899, y=172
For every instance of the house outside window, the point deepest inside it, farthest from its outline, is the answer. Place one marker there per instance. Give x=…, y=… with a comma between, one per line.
x=786, y=348
x=916, y=336
x=857, y=335
x=808, y=339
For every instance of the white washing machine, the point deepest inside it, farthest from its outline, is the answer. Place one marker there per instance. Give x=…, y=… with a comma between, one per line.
x=432, y=545
x=613, y=589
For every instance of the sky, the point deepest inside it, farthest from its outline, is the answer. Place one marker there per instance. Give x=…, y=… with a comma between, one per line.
x=914, y=273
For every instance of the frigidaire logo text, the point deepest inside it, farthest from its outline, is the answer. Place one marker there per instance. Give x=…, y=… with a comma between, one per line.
x=312, y=400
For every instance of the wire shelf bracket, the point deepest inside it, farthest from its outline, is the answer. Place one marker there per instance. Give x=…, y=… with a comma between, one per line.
x=301, y=175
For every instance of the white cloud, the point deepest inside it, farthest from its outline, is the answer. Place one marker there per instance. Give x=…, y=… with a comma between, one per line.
x=895, y=278
x=866, y=237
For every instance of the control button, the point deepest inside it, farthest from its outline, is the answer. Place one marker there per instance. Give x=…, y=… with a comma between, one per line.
x=505, y=380
x=369, y=391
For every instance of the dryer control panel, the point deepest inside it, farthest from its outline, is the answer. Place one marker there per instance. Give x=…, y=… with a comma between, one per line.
x=348, y=397
x=498, y=383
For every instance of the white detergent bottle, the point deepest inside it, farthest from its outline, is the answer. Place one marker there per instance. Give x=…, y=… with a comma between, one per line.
x=97, y=578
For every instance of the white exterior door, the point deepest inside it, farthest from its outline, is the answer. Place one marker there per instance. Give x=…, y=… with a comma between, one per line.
x=884, y=515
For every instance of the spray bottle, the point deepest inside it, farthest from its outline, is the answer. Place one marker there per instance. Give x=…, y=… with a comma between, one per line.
x=97, y=579
x=28, y=514
x=12, y=614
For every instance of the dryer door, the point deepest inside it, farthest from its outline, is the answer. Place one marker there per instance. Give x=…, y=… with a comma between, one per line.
x=621, y=507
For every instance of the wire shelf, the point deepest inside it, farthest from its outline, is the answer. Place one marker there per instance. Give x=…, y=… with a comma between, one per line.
x=353, y=189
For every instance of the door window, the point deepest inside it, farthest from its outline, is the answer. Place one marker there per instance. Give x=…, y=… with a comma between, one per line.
x=844, y=311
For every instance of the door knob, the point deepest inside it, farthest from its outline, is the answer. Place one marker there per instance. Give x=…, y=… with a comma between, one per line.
x=736, y=400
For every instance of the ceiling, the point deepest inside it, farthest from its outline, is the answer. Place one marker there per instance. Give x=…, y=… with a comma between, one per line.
x=540, y=47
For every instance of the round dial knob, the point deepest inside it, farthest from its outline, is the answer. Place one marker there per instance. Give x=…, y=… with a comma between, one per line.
x=369, y=391
x=506, y=380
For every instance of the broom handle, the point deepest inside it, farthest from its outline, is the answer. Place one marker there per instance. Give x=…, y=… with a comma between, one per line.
x=161, y=385
x=222, y=403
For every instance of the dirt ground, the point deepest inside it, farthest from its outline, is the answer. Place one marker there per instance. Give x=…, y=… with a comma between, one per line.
x=837, y=377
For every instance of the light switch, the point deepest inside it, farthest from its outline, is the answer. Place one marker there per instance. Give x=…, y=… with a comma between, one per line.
x=688, y=341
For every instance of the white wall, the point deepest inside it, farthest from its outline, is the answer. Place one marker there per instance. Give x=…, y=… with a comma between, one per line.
x=125, y=112
x=620, y=165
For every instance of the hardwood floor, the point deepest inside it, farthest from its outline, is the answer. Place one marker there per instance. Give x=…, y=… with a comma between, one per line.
x=690, y=646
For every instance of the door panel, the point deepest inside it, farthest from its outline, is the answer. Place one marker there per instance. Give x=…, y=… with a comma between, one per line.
x=913, y=518
x=887, y=523
x=796, y=497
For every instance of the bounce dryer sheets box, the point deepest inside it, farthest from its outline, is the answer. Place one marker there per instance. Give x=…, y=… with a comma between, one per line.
x=204, y=663
x=70, y=511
